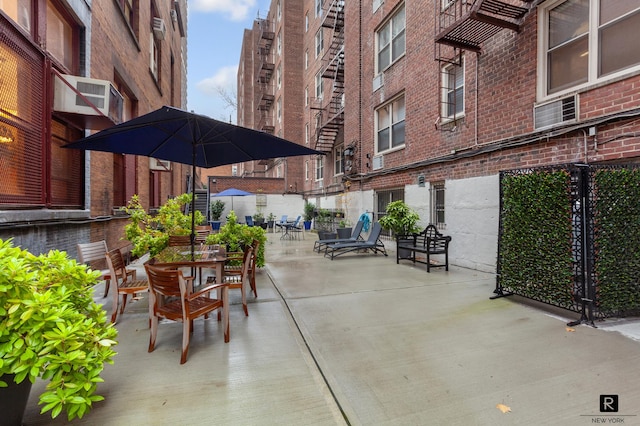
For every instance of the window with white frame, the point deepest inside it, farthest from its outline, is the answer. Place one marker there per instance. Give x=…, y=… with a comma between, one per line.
x=319, y=86
x=307, y=133
x=306, y=170
x=390, y=125
x=279, y=76
x=585, y=42
x=390, y=40
x=338, y=160
x=437, y=204
x=154, y=57
x=319, y=42
x=279, y=8
x=306, y=22
x=279, y=109
x=453, y=90
x=320, y=167
x=306, y=96
x=279, y=42
x=318, y=8
x=306, y=59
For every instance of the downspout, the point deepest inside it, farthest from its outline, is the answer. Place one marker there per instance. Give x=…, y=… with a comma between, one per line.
x=475, y=136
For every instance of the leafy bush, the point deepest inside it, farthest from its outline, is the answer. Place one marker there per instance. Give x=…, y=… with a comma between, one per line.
x=215, y=209
x=400, y=218
x=51, y=328
x=236, y=236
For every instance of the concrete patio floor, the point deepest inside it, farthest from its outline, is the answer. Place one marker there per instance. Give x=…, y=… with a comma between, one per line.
x=362, y=341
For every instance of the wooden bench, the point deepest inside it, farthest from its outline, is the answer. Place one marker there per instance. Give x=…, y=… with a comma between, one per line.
x=429, y=242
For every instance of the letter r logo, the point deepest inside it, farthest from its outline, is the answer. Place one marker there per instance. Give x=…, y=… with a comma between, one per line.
x=608, y=403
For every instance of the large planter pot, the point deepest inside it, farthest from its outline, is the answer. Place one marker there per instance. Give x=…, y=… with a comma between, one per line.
x=13, y=401
x=326, y=235
x=344, y=232
x=271, y=224
x=215, y=225
x=307, y=225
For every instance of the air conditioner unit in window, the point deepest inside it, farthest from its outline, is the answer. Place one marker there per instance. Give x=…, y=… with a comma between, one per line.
x=378, y=162
x=103, y=97
x=159, y=28
x=174, y=15
x=159, y=165
x=556, y=112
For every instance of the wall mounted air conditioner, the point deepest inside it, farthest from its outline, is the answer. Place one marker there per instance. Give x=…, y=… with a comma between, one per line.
x=378, y=81
x=378, y=162
x=100, y=93
x=159, y=165
x=159, y=29
x=556, y=112
x=174, y=15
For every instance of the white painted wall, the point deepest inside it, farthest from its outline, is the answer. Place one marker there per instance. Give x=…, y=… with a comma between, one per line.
x=290, y=204
x=472, y=215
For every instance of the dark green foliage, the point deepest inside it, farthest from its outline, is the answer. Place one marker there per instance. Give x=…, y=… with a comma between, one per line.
x=536, y=238
x=617, y=240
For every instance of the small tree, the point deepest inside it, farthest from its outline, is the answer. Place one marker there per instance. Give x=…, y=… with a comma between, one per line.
x=215, y=209
x=400, y=218
x=309, y=209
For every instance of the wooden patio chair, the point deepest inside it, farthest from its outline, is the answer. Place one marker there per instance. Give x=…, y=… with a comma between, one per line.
x=179, y=240
x=125, y=284
x=242, y=278
x=92, y=253
x=171, y=297
x=236, y=261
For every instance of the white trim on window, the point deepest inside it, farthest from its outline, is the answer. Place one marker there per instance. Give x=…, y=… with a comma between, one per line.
x=452, y=96
x=391, y=40
x=572, y=53
x=390, y=125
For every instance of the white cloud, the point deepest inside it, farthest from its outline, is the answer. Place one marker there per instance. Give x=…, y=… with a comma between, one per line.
x=236, y=9
x=225, y=78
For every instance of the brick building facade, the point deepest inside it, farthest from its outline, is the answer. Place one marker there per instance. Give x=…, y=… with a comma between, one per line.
x=439, y=97
x=133, y=50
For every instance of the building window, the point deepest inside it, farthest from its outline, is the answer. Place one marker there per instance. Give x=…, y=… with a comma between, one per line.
x=306, y=22
x=453, y=91
x=306, y=59
x=437, y=204
x=383, y=198
x=279, y=76
x=279, y=42
x=306, y=133
x=390, y=125
x=320, y=167
x=584, y=42
x=306, y=96
x=306, y=170
x=338, y=159
x=318, y=8
x=59, y=37
x=234, y=170
x=319, y=86
x=129, y=8
x=154, y=57
x=279, y=8
x=19, y=11
x=319, y=42
x=279, y=109
x=390, y=41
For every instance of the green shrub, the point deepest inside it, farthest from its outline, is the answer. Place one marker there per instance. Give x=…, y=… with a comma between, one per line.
x=236, y=236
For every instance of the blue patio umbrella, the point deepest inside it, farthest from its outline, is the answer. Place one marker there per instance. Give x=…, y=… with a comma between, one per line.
x=233, y=192
x=176, y=135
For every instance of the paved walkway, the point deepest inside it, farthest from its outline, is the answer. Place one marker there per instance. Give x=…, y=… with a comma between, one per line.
x=362, y=341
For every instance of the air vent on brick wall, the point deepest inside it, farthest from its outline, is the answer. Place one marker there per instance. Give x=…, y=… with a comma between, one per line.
x=556, y=112
x=378, y=162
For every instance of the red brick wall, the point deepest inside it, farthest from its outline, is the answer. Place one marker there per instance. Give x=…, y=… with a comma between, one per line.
x=256, y=185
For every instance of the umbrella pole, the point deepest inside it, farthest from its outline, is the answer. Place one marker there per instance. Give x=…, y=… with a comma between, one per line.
x=193, y=200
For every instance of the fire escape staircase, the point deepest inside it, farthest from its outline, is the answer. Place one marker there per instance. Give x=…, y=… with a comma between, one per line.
x=265, y=72
x=330, y=116
x=465, y=25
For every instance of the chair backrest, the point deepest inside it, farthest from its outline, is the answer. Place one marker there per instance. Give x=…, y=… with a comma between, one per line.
x=297, y=222
x=431, y=231
x=283, y=219
x=357, y=230
x=376, y=229
x=166, y=282
x=179, y=240
x=115, y=260
x=88, y=252
x=249, y=220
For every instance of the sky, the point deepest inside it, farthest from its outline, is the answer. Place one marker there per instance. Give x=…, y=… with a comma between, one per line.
x=214, y=41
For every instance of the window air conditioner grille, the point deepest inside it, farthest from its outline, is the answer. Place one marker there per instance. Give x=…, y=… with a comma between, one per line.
x=556, y=112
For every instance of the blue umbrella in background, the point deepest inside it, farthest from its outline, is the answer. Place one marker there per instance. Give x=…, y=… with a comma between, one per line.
x=233, y=192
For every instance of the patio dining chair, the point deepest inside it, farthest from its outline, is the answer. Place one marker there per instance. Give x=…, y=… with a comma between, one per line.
x=242, y=279
x=283, y=221
x=179, y=240
x=94, y=254
x=125, y=284
x=171, y=297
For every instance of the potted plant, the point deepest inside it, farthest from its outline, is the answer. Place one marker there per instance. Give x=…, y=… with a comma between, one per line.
x=324, y=225
x=402, y=221
x=344, y=229
x=50, y=328
x=271, y=220
x=215, y=212
x=309, y=210
x=258, y=220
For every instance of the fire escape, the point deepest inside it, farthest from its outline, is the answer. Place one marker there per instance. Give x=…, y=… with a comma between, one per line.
x=264, y=94
x=330, y=115
x=465, y=25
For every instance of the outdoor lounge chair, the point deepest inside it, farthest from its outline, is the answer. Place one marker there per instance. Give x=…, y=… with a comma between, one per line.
x=372, y=243
x=355, y=236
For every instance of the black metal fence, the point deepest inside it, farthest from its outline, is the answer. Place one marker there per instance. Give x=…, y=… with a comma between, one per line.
x=569, y=236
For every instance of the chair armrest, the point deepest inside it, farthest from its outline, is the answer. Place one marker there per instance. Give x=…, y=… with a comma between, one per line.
x=207, y=289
